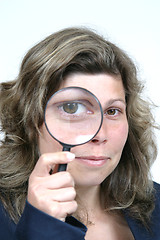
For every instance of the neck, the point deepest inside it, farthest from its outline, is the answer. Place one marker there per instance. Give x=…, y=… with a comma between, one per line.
x=88, y=199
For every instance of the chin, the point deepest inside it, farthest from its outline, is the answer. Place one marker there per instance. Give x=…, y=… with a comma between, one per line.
x=88, y=181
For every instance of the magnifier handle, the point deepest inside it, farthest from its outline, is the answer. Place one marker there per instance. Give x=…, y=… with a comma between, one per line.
x=63, y=167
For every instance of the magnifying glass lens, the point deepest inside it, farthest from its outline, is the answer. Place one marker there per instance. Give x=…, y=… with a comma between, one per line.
x=73, y=116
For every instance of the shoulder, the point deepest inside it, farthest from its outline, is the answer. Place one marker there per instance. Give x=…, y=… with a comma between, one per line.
x=7, y=227
x=156, y=212
x=155, y=217
x=157, y=189
x=157, y=199
x=138, y=230
x=34, y=223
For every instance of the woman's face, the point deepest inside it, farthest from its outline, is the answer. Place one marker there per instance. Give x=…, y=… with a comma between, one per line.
x=98, y=158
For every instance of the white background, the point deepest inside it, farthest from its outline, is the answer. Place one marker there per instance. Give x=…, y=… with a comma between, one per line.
x=133, y=25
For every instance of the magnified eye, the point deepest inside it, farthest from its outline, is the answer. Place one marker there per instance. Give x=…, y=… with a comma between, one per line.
x=70, y=107
x=74, y=108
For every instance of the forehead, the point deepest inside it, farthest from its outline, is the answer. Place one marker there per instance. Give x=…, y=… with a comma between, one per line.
x=104, y=86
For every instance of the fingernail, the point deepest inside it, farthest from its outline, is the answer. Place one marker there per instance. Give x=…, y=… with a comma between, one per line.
x=70, y=156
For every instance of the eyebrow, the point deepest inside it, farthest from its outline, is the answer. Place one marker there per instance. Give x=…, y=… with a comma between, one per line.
x=111, y=101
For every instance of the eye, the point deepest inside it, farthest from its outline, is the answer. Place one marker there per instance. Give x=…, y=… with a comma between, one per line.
x=73, y=109
x=70, y=107
x=112, y=112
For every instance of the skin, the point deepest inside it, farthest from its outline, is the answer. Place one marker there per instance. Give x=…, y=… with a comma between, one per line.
x=56, y=194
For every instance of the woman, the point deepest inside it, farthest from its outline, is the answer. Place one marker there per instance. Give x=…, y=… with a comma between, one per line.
x=106, y=192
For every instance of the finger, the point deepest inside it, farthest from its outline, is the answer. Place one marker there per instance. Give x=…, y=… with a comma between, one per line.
x=57, y=180
x=60, y=210
x=69, y=207
x=57, y=195
x=55, y=170
x=48, y=161
x=63, y=195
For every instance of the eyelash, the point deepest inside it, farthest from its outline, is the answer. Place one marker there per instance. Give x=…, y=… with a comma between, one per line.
x=82, y=110
x=117, y=110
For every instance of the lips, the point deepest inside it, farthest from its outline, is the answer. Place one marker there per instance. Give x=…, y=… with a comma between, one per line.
x=93, y=161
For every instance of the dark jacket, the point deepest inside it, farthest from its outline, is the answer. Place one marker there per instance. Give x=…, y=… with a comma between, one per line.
x=36, y=225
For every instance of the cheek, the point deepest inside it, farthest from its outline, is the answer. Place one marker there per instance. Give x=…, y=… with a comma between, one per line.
x=118, y=135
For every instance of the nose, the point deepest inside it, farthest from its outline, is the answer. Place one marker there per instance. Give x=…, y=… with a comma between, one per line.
x=101, y=136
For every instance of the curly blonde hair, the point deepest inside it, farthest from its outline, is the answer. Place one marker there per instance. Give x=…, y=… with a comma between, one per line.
x=22, y=103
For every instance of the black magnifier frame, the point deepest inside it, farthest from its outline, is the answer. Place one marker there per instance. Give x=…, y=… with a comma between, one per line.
x=66, y=146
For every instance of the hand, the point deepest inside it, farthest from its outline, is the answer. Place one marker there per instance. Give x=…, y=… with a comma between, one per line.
x=54, y=193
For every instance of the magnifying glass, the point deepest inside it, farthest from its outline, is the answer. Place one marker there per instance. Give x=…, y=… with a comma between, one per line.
x=73, y=116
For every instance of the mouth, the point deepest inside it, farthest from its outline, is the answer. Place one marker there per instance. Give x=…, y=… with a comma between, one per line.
x=93, y=161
